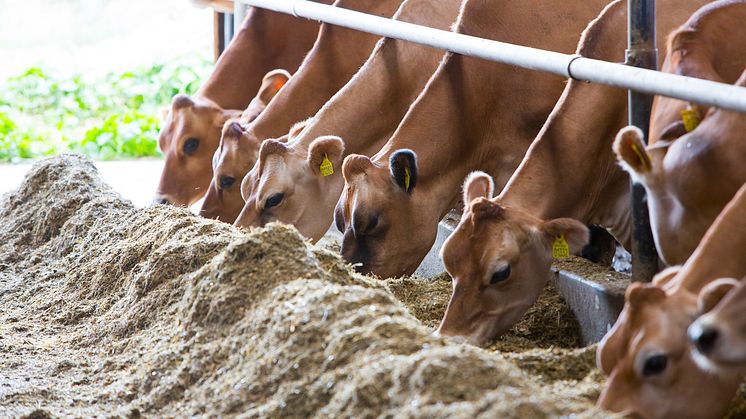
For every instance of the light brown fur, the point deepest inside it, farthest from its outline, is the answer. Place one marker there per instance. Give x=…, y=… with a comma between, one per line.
x=691, y=176
x=473, y=114
x=267, y=40
x=363, y=114
x=658, y=324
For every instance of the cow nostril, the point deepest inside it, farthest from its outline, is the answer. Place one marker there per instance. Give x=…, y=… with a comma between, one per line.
x=160, y=200
x=706, y=339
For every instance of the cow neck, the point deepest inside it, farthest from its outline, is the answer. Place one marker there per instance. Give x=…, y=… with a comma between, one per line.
x=719, y=254
x=337, y=55
x=570, y=167
x=266, y=41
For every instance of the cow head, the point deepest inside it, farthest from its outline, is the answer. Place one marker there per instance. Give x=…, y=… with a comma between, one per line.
x=188, y=139
x=233, y=159
x=386, y=231
x=288, y=182
x=237, y=154
x=651, y=368
x=499, y=259
x=191, y=134
x=719, y=335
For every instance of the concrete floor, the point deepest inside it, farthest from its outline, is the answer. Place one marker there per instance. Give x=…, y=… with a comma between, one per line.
x=135, y=180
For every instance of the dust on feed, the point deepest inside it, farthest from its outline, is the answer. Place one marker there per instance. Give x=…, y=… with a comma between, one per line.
x=108, y=310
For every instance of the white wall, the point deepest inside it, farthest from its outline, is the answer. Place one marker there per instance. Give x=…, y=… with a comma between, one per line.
x=97, y=36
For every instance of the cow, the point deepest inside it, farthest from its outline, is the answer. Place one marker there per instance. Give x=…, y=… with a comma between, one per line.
x=653, y=370
x=363, y=115
x=473, y=114
x=337, y=54
x=494, y=293
x=191, y=130
x=568, y=172
x=223, y=200
x=677, y=167
x=230, y=162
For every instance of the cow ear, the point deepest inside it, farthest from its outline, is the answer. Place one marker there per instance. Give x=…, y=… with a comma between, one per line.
x=575, y=233
x=325, y=155
x=712, y=293
x=673, y=131
x=182, y=101
x=355, y=164
x=271, y=84
x=478, y=185
x=403, y=168
x=630, y=151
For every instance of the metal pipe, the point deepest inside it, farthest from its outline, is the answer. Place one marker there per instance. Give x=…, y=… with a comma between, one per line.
x=704, y=92
x=641, y=52
x=240, y=11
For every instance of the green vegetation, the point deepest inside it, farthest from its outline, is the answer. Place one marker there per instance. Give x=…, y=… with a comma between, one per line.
x=115, y=116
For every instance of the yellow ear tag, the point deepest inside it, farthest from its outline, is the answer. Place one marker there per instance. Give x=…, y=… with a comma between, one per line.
x=326, y=167
x=642, y=158
x=560, y=248
x=406, y=179
x=690, y=117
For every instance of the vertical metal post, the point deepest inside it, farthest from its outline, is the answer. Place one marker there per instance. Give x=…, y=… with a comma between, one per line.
x=228, y=29
x=641, y=52
x=240, y=11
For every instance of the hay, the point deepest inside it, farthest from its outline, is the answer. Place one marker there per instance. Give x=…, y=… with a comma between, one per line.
x=106, y=310
x=548, y=323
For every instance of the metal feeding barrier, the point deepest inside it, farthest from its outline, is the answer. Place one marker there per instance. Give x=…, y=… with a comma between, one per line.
x=638, y=75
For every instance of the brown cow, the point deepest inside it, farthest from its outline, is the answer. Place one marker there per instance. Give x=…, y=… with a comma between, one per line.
x=487, y=299
x=677, y=169
x=652, y=370
x=223, y=200
x=191, y=131
x=364, y=114
x=334, y=59
x=472, y=114
x=235, y=154
x=569, y=171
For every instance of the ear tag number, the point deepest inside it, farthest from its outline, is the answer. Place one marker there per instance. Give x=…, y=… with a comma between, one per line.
x=407, y=178
x=326, y=167
x=690, y=117
x=560, y=248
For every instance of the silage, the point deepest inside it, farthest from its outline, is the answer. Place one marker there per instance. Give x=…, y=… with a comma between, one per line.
x=110, y=310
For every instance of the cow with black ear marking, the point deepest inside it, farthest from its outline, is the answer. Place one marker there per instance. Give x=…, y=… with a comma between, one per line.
x=472, y=114
x=499, y=258
x=383, y=205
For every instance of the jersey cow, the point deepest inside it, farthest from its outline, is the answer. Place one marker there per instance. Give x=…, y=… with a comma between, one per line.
x=653, y=371
x=691, y=171
x=568, y=172
x=361, y=116
x=337, y=54
x=191, y=131
x=472, y=114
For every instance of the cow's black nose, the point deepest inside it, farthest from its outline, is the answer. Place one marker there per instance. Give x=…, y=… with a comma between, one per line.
x=160, y=200
x=706, y=338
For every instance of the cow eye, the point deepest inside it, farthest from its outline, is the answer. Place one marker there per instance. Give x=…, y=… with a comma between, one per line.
x=500, y=275
x=274, y=200
x=190, y=146
x=654, y=365
x=227, y=181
